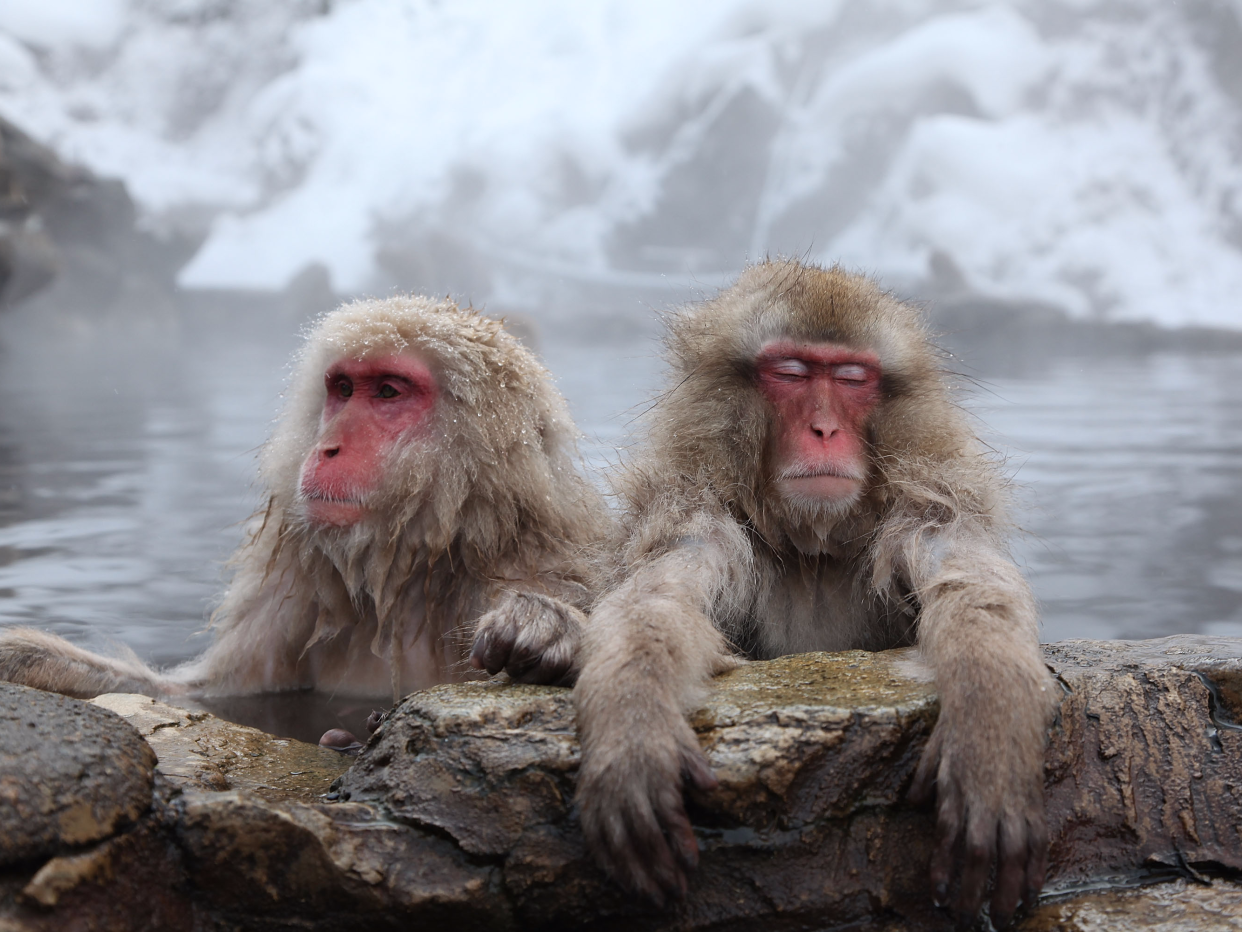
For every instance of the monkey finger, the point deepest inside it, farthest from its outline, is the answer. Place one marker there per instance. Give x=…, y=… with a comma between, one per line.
x=1037, y=861
x=680, y=835
x=491, y=650
x=697, y=772
x=948, y=829
x=648, y=860
x=923, y=786
x=1010, y=874
x=978, y=855
x=539, y=663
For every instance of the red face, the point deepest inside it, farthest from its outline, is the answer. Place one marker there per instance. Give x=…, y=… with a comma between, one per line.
x=372, y=405
x=823, y=394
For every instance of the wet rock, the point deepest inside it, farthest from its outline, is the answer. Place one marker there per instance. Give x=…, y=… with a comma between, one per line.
x=70, y=774
x=1144, y=769
x=812, y=752
x=809, y=823
x=133, y=882
x=298, y=866
x=459, y=810
x=1178, y=906
x=198, y=750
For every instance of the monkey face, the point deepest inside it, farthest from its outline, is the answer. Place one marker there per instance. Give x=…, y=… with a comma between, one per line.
x=822, y=395
x=370, y=406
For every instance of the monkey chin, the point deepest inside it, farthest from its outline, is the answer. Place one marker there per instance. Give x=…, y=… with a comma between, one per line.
x=815, y=505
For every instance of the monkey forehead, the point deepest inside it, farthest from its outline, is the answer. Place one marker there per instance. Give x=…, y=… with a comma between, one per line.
x=787, y=300
x=408, y=364
x=823, y=354
x=471, y=354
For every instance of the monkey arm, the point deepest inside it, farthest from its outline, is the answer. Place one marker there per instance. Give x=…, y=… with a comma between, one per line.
x=978, y=630
x=649, y=648
x=45, y=661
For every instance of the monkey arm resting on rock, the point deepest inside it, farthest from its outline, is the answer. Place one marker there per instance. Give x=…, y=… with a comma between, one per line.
x=421, y=491
x=808, y=484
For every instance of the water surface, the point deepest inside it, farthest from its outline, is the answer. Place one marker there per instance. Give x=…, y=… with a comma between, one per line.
x=127, y=459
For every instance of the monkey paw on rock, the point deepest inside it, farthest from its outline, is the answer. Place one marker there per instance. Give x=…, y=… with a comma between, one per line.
x=989, y=813
x=632, y=809
x=531, y=637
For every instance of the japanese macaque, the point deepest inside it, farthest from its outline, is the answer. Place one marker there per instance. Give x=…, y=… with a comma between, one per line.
x=422, y=497
x=809, y=484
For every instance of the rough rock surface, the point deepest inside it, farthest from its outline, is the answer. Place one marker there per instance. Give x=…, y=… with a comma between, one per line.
x=200, y=751
x=459, y=812
x=1176, y=906
x=70, y=774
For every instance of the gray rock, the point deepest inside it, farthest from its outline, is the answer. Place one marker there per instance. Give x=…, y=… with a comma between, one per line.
x=197, y=750
x=70, y=773
x=459, y=812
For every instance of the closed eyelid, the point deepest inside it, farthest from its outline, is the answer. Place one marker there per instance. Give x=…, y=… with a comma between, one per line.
x=852, y=372
x=788, y=367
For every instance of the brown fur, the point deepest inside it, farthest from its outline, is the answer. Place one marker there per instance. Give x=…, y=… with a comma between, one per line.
x=482, y=530
x=712, y=564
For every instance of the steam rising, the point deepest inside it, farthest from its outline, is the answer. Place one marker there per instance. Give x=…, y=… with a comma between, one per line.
x=1081, y=154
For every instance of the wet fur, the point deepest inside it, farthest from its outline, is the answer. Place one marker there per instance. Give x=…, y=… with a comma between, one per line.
x=491, y=505
x=713, y=564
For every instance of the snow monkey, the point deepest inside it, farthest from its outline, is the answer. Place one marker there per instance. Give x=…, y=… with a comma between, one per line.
x=809, y=484
x=421, y=491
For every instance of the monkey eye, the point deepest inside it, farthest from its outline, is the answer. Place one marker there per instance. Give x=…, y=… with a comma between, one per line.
x=344, y=387
x=788, y=370
x=387, y=390
x=852, y=373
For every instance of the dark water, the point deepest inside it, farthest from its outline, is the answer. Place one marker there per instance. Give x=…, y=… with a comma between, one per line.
x=127, y=461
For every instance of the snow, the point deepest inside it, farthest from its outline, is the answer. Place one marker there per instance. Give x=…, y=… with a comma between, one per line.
x=1086, y=154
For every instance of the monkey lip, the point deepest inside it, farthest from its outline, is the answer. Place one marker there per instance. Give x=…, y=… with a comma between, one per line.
x=321, y=508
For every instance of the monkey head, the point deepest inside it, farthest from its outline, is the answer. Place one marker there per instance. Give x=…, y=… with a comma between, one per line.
x=794, y=387
x=409, y=416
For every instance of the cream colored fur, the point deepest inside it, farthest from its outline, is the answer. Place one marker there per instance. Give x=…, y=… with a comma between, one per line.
x=493, y=503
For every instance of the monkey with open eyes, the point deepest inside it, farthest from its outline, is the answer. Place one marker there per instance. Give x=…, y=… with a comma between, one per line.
x=423, y=512
x=809, y=484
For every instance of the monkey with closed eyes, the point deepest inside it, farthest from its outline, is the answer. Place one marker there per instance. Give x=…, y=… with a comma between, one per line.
x=807, y=483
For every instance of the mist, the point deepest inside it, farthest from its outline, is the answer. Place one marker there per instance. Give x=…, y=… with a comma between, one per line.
x=1060, y=184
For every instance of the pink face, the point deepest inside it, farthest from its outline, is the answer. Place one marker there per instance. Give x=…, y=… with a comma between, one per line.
x=823, y=394
x=372, y=404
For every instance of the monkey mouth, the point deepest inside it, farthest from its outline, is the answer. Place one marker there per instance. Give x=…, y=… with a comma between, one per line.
x=317, y=496
x=815, y=472
x=829, y=483
x=335, y=510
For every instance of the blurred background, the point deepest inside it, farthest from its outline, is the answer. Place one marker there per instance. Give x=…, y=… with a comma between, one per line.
x=184, y=183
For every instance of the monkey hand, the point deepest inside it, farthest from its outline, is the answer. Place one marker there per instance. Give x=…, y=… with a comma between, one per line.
x=988, y=785
x=630, y=802
x=532, y=637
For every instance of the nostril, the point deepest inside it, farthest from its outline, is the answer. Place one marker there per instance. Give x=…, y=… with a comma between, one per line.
x=331, y=452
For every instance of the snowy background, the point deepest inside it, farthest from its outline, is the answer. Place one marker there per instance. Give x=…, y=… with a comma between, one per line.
x=1079, y=153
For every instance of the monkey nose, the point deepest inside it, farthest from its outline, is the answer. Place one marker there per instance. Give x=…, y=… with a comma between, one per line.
x=329, y=452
